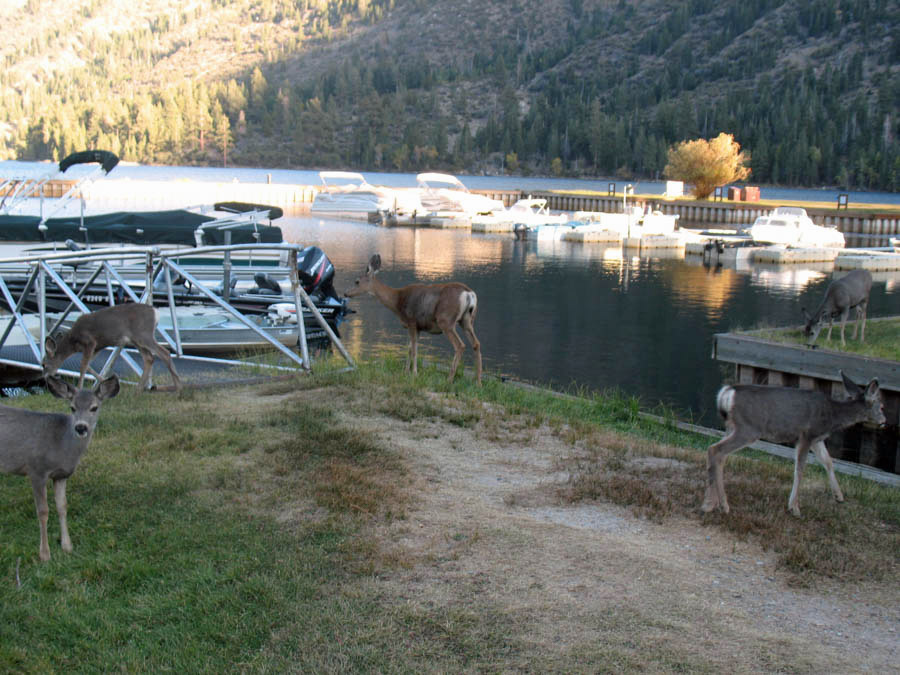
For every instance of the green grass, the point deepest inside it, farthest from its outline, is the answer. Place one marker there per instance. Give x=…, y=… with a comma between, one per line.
x=882, y=338
x=233, y=530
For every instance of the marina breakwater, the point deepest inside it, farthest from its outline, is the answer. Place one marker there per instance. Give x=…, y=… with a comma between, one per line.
x=862, y=226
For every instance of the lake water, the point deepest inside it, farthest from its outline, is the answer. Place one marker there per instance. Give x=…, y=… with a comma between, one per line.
x=558, y=313
x=572, y=314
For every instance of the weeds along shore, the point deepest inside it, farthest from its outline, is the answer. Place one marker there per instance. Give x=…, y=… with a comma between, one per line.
x=243, y=528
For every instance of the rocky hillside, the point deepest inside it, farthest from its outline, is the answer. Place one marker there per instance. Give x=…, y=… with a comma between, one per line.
x=809, y=87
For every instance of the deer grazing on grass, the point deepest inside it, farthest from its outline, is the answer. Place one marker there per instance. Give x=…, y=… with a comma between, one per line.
x=116, y=326
x=842, y=295
x=434, y=308
x=786, y=415
x=48, y=446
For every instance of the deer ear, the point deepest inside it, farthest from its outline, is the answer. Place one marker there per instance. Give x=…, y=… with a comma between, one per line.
x=852, y=388
x=60, y=388
x=50, y=346
x=108, y=388
x=872, y=389
x=375, y=263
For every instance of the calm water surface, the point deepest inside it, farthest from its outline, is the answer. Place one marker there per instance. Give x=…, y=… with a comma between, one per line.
x=556, y=313
x=574, y=314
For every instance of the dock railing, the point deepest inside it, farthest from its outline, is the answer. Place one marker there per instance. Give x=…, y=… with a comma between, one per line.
x=123, y=269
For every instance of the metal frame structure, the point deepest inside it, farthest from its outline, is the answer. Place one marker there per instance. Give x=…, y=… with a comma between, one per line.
x=94, y=262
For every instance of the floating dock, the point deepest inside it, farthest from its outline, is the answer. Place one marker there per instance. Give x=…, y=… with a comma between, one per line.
x=781, y=255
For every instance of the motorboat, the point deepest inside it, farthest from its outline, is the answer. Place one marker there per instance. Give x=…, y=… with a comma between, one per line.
x=253, y=291
x=346, y=194
x=29, y=222
x=441, y=193
x=790, y=226
x=524, y=217
x=633, y=222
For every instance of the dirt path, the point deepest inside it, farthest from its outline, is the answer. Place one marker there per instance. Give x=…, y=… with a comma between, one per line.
x=485, y=530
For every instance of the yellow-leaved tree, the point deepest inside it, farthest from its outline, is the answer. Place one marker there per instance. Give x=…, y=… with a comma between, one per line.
x=707, y=164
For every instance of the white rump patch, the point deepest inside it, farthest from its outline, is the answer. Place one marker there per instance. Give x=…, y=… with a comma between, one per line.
x=725, y=400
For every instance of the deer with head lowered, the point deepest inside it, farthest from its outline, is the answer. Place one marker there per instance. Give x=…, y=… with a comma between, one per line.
x=786, y=415
x=433, y=308
x=842, y=295
x=116, y=326
x=48, y=446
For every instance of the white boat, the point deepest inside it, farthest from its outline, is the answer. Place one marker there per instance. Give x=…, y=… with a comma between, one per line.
x=346, y=194
x=634, y=222
x=527, y=214
x=442, y=193
x=790, y=226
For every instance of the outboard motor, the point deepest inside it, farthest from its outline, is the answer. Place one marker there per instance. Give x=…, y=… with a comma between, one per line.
x=316, y=272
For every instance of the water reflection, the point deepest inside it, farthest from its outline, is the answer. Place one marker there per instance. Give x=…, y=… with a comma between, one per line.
x=563, y=313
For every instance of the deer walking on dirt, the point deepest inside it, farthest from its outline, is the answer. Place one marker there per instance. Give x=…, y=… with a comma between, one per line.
x=842, y=295
x=48, y=446
x=786, y=415
x=116, y=326
x=433, y=308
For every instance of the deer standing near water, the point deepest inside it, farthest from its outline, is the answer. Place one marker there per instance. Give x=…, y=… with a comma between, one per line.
x=842, y=295
x=116, y=326
x=804, y=417
x=434, y=308
x=48, y=446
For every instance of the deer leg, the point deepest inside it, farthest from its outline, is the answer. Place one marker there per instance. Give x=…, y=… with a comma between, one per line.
x=147, y=368
x=59, y=491
x=458, y=348
x=469, y=330
x=412, y=363
x=163, y=354
x=844, y=315
x=39, y=488
x=799, y=465
x=715, y=466
x=86, y=357
x=861, y=313
x=822, y=453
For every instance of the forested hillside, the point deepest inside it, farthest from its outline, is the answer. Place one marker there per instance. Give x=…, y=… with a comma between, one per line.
x=810, y=88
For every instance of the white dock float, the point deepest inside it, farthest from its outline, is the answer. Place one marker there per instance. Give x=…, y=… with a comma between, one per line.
x=874, y=261
x=593, y=236
x=441, y=223
x=655, y=241
x=780, y=255
x=483, y=226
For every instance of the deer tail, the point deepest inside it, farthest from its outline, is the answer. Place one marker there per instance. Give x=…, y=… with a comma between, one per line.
x=470, y=303
x=725, y=401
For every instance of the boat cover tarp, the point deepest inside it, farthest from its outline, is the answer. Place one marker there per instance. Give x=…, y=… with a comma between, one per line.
x=148, y=228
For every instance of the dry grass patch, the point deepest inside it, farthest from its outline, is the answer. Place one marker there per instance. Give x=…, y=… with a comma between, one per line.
x=854, y=541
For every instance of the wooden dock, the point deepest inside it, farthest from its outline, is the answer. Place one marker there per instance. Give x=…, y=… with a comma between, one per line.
x=760, y=361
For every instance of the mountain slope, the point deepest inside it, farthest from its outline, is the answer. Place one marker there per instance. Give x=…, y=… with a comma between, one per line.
x=810, y=88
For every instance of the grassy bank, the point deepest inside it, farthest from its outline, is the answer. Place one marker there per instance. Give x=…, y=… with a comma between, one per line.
x=882, y=338
x=238, y=529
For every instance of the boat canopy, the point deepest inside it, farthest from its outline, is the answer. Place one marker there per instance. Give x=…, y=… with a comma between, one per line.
x=104, y=158
x=145, y=228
